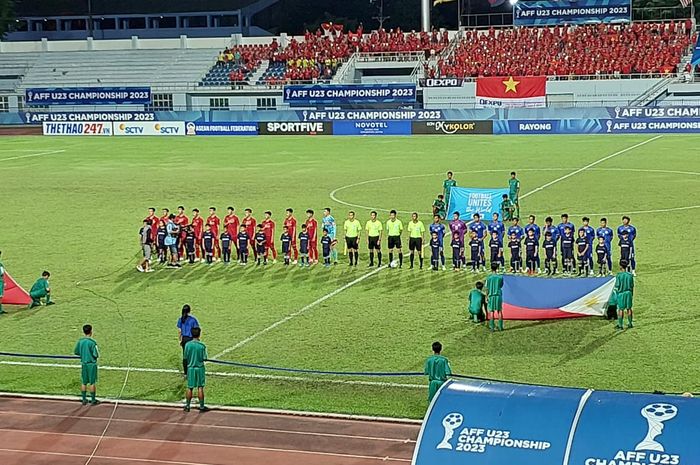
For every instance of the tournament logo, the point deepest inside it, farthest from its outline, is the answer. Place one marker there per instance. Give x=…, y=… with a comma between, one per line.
x=656, y=415
x=191, y=129
x=450, y=423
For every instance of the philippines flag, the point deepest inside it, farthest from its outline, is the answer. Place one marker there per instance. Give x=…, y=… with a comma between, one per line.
x=527, y=298
x=511, y=92
x=14, y=294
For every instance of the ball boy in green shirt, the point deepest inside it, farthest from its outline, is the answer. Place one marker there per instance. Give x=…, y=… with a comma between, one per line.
x=624, y=289
x=40, y=289
x=86, y=349
x=438, y=370
x=195, y=354
x=494, y=287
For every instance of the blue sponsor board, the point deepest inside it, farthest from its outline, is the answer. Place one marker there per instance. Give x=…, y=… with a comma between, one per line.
x=327, y=94
x=653, y=112
x=371, y=128
x=87, y=95
x=221, y=129
x=548, y=12
x=371, y=115
x=491, y=423
x=86, y=116
x=563, y=126
x=468, y=201
x=653, y=126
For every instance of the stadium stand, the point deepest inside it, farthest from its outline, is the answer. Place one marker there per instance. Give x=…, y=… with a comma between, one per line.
x=650, y=48
x=175, y=67
x=13, y=68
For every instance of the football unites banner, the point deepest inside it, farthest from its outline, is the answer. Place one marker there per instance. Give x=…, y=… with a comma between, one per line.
x=467, y=201
x=511, y=92
x=491, y=423
x=526, y=298
x=550, y=12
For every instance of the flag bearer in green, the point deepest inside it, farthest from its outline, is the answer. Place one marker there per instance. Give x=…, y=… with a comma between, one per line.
x=196, y=354
x=2, y=284
x=86, y=349
x=624, y=288
x=40, y=289
x=494, y=288
x=514, y=192
x=447, y=186
x=477, y=303
x=438, y=370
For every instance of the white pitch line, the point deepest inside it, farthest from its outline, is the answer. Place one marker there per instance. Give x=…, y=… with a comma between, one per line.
x=226, y=374
x=291, y=316
x=32, y=155
x=590, y=165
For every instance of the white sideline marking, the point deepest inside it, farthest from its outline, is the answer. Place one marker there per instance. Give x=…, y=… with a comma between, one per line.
x=304, y=309
x=18, y=157
x=590, y=165
x=225, y=374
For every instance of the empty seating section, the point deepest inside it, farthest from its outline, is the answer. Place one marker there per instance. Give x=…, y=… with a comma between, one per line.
x=13, y=67
x=600, y=49
x=165, y=68
x=316, y=57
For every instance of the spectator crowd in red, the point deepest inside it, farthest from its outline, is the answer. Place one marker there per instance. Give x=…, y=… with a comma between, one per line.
x=636, y=48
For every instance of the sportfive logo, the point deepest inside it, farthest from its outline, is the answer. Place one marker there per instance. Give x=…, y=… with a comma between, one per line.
x=296, y=128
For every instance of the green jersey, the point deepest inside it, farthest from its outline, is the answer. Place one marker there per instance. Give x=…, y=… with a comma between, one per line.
x=2, y=280
x=513, y=187
x=437, y=368
x=416, y=229
x=447, y=185
x=394, y=228
x=439, y=207
x=195, y=354
x=86, y=349
x=624, y=282
x=476, y=301
x=352, y=228
x=41, y=285
x=494, y=285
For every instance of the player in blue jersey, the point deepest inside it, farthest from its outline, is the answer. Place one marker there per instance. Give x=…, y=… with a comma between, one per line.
x=632, y=235
x=550, y=228
x=437, y=227
x=516, y=229
x=589, y=233
x=563, y=225
x=480, y=229
x=606, y=234
x=496, y=226
x=328, y=222
x=532, y=226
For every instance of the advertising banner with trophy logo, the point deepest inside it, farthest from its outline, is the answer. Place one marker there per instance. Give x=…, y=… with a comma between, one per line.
x=492, y=423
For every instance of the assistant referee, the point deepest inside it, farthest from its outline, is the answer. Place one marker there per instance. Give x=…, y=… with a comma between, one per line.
x=352, y=228
x=185, y=324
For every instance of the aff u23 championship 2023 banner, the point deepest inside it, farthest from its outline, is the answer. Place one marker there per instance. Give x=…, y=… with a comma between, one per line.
x=492, y=423
x=468, y=201
x=551, y=12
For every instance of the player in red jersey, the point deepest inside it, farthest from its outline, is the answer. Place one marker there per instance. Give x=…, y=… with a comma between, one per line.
x=166, y=216
x=182, y=221
x=311, y=230
x=153, y=221
x=269, y=231
x=249, y=223
x=214, y=222
x=231, y=224
x=198, y=228
x=291, y=224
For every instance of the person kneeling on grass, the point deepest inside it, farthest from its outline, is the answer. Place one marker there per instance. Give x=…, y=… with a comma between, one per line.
x=41, y=289
x=86, y=349
x=477, y=303
x=196, y=354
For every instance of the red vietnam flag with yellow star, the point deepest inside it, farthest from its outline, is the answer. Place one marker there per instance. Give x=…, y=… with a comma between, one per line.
x=511, y=91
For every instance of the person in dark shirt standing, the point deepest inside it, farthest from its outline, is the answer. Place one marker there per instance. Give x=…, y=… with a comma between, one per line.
x=303, y=246
x=475, y=251
x=550, y=253
x=225, y=247
x=601, y=251
x=146, y=241
x=626, y=249
x=566, y=241
x=287, y=242
x=326, y=242
x=516, y=260
x=208, y=240
x=261, y=245
x=531, y=252
x=496, y=248
x=161, y=234
x=457, y=252
x=582, y=249
x=243, y=240
x=185, y=324
x=435, y=251
x=190, y=244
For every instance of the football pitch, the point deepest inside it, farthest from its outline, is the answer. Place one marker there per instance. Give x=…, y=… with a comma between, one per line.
x=74, y=206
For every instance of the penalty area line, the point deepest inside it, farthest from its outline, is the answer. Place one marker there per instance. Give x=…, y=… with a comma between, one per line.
x=30, y=155
x=304, y=379
x=301, y=311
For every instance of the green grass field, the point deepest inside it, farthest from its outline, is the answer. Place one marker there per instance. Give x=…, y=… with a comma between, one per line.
x=74, y=206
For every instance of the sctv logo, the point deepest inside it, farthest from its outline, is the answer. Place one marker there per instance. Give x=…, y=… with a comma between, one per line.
x=161, y=129
x=126, y=129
